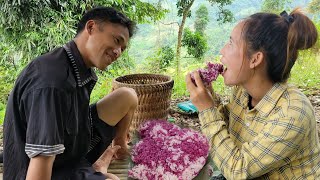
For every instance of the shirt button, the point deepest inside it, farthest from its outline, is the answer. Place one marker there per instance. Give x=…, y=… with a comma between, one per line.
x=247, y=124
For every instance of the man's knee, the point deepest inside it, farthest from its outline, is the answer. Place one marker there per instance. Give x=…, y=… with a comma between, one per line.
x=130, y=95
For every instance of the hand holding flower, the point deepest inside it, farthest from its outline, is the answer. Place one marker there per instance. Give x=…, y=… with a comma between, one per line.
x=200, y=96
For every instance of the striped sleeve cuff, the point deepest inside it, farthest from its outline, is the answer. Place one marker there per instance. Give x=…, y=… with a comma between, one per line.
x=33, y=150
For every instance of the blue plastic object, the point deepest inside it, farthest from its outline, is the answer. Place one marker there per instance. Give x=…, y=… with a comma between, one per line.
x=187, y=106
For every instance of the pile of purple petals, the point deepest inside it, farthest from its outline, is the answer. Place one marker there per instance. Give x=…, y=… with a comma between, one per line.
x=166, y=151
x=209, y=73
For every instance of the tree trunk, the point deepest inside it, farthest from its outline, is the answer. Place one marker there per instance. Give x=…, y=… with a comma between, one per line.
x=181, y=26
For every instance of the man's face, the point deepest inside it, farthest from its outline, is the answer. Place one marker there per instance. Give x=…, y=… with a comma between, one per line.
x=106, y=42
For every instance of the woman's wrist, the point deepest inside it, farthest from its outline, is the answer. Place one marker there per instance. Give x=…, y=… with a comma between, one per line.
x=206, y=109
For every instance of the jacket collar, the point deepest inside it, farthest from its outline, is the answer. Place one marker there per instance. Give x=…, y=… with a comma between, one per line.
x=82, y=73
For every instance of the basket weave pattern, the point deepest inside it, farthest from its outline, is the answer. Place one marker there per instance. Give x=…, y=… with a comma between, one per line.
x=154, y=94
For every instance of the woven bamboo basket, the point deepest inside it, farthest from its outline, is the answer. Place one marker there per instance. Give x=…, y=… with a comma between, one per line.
x=154, y=94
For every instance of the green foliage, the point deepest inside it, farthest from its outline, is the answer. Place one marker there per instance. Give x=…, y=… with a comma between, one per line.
x=2, y=112
x=202, y=19
x=160, y=60
x=138, y=10
x=152, y=63
x=184, y=5
x=102, y=88
x=306, y=71
x=30, y=14
x=314, y=7
x=7, y=76
x=195, y=42
x=224, y=15
x=316, y=47
x=274, y=6
x=32, y=31
x=166, y=57
x=184, y=11
x=122, y=66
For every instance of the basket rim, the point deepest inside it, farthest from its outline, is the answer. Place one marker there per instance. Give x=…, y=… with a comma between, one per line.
x=141, y=74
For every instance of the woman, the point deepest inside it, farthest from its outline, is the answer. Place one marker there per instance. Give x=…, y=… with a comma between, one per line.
x=268, y=128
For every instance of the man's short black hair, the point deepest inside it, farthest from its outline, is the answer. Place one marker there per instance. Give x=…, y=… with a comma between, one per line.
x=106, y=14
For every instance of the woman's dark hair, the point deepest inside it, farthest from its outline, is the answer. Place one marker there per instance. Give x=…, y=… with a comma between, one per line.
x=106, y=14
x=279, y=38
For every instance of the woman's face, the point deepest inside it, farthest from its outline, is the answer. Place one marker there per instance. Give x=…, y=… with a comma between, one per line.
x=237, y=70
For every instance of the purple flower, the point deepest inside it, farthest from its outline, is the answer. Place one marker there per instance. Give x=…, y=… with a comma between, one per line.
x=165, y=151
x=209, y=73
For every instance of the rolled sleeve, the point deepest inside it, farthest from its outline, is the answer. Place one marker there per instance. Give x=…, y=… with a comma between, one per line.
x=33, y=150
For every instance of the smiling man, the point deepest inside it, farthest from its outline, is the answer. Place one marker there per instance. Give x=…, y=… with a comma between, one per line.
x=50, y=130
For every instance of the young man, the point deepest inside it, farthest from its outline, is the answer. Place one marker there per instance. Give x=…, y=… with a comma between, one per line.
x=50, y=131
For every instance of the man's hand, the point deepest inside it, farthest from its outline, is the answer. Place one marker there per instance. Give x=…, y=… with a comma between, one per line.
x=200, y=96
x=40, y=168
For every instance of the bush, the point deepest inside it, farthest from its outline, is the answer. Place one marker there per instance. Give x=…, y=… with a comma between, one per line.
x=195, y=42
x=159, y=61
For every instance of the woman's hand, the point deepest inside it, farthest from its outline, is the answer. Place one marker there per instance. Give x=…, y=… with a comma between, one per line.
x=200, y=96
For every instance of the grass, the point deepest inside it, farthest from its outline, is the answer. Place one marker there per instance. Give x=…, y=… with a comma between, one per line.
x=306, y=72
x=2, y=112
